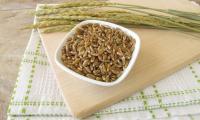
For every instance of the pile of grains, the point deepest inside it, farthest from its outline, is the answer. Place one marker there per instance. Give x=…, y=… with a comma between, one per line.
x=98, y=52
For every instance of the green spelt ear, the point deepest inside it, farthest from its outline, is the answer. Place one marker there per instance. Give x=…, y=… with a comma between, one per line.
x=61, y=28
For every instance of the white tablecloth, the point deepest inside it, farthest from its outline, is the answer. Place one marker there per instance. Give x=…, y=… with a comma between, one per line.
x=36, y=95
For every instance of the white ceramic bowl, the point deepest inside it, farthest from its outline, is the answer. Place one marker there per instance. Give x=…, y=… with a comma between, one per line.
x=81, y=77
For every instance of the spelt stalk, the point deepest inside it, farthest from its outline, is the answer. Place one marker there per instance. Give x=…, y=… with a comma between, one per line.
x=45, y=24
x=161, y=17
x=114, y=17
x=183, y=14
x=81, y=18
x=57, y=18
x=89, y=3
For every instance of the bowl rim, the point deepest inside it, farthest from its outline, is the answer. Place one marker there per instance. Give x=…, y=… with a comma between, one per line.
x=108, y=24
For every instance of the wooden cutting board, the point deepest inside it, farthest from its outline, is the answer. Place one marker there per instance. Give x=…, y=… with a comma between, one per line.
x=162, y=53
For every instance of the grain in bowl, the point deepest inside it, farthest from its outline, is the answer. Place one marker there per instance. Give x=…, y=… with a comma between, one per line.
x=98, y=51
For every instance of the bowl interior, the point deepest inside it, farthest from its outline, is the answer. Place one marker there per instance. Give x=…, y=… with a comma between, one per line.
x=111, y=25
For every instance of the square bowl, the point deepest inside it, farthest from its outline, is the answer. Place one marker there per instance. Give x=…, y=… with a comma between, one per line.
x=125, y=72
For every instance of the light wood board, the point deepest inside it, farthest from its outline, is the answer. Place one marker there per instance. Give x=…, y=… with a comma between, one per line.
x=162, y=53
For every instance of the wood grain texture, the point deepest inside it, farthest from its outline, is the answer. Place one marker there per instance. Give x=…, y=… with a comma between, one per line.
x=162, y=53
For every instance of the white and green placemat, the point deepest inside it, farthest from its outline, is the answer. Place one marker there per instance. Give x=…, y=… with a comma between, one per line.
x=36, y=95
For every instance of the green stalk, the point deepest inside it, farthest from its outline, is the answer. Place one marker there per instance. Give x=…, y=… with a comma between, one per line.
x=185, y=15
x=169, y=11
x=188, y=15
x=161, y=17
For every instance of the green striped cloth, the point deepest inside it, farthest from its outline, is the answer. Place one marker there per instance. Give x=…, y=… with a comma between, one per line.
x=36, y=95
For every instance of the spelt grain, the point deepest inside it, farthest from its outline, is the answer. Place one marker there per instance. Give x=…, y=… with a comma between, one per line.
x=98, y=52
